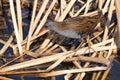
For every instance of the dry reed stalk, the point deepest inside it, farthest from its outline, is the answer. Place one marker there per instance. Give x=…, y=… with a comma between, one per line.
x=62, y=6
x=44, y=18
x=30, y=53
x=52, y=48
x=110, y=51
x=5, y=78
x=94, y=76
x=57, y=45
x=87, y=50
x=32, y=38
x=63, y=48
x=61, y=72
x=96, y=45
x=21, y=72
x=33, y=62
x=77, y=65
x=39, y=15
x=67, y=76
x=98, y=75
x=79, y=11
x=105, y=9
x=87, y=6
x=107, y=3
x=37, y=18
x=11, y=61
x=103, y=42
x=89, y=59
x=6, y=46
x=15, y=26
x=46, y=48
x=101, y=3
x=81, y=1
x=31, y=23
x=4, y=42
x=91, y=13
x=60, y=60
x=71, y=13
x=46, y=43
x=105, y=74
x=81, y=75
x=96, y=12
x=43, y=60
x=57, y=15
x=105, y=36
x=81, y=51
x=27, y=52
x=19, y=19
x=66, y=11
x=77, y=77
x=105, y=45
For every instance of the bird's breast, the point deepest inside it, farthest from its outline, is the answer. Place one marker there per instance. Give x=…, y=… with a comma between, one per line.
x=69, y=33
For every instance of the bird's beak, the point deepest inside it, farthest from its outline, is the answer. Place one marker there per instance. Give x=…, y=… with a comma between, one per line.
x=42, y=31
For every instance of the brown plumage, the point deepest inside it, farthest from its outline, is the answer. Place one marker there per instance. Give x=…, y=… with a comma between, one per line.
x=75, y=27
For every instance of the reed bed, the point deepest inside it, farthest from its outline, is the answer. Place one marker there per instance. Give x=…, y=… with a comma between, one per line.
x=45, y=54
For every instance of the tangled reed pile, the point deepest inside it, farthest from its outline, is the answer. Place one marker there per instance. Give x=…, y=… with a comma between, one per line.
x=46, y=54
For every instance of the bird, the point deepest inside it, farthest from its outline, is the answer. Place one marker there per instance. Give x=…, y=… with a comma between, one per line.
x=76, y=27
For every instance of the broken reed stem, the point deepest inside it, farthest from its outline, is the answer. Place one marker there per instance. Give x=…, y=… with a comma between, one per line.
x=31, y=24
x=19, y=19
x=15, y=25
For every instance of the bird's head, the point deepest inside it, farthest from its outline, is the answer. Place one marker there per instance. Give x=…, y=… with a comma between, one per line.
x=51, y=25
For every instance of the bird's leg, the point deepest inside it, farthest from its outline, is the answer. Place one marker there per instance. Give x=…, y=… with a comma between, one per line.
x=80, y=45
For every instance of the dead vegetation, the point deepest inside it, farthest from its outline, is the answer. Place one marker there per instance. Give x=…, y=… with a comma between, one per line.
x=47, y=54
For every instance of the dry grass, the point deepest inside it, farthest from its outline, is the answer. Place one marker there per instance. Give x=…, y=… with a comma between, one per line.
x=51, y=52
